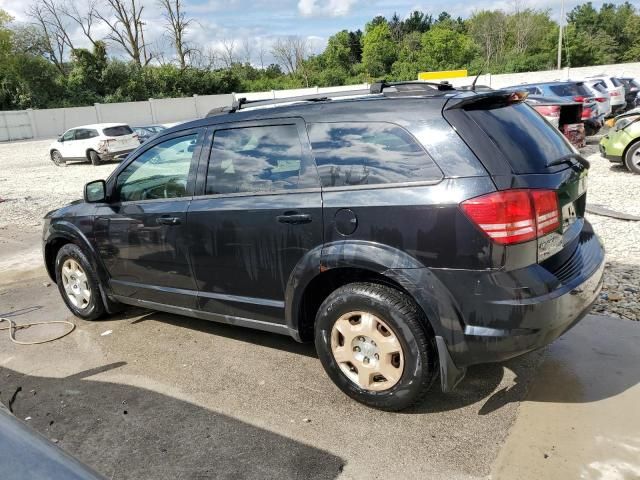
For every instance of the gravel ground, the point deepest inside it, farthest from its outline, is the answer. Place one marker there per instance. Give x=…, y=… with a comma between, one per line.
x=31, y=185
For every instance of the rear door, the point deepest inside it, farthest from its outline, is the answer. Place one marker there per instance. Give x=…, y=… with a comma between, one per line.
x=257, y=214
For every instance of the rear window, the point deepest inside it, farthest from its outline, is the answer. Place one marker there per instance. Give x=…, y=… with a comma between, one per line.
x=118, y=131
x=569, y=90
x=527, y=141
x=372, y=153
x=601, y=87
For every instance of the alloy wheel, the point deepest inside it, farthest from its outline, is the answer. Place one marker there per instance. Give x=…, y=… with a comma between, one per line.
x=367, y=351
x=76, y=284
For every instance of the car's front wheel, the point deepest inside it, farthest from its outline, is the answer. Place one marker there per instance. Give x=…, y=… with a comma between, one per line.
x=78, y=283
x=56, y=158
x=632, y=158
x=372, y=342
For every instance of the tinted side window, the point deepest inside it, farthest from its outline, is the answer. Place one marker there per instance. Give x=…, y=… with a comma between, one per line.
x=160, y=172
x=368, y=154
x=565, y=90
x=254, y=159
x=85, y=134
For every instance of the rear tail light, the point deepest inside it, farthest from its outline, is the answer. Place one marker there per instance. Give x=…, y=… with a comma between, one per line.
x=548, y=110
x=514, y=216
x=615, y=94
x=601, y=99
x=587, y=113
x=579, y=98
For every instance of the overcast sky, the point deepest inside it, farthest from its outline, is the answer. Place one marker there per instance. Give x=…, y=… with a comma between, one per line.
x=265, y=20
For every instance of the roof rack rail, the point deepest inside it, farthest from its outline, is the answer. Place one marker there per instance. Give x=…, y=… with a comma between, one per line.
x=443, y=86
x=242, y=102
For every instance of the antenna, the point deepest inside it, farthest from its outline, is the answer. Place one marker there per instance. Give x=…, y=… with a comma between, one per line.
x=475, y=80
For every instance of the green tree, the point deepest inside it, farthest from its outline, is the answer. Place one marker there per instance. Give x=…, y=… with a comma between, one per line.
x=444, y=49
x=378, y=49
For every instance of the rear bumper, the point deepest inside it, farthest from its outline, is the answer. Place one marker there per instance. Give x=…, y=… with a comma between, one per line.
x=120, y=155
x=506, y=314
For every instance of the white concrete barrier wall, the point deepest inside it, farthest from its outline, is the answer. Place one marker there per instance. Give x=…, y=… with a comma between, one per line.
x=16, y=125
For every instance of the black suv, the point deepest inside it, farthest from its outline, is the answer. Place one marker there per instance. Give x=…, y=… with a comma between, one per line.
x=410, y=231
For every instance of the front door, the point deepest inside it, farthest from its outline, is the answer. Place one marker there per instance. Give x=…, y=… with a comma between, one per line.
x=258, y=213
x=67, y=144
x=141, y=233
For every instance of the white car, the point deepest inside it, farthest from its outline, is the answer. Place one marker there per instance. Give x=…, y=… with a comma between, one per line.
x=616, y=91
x=94, y=143
x=598, y=89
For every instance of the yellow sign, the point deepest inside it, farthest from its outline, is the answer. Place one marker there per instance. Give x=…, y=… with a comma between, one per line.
x=442, y=74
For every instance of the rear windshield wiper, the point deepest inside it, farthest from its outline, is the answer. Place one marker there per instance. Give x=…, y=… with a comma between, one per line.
x=569, y=159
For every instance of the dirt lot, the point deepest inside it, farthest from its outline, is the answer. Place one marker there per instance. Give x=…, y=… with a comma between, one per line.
x=152, y=395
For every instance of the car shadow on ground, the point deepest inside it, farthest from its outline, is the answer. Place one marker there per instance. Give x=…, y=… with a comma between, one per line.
x=481, y=384
x=129, y=432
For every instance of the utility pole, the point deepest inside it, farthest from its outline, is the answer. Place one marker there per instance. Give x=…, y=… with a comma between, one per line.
x=560, y=35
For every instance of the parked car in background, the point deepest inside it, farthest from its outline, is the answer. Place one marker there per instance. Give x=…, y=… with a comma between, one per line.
x=94, y=143
x=148, y=131
x=409, y=232
x=632, y=88
x=616, y=91
x=601, y=95
x=563, y=114
x=574, y=92
x=622, y=143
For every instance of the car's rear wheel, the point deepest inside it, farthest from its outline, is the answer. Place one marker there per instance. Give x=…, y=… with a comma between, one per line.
x=372, y=342
x=78, y=283
x=632, y=158
x=94, y=158
x=56, y=158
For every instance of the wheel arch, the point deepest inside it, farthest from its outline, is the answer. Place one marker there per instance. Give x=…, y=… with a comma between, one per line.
x=627, y=148
x=327, y=268
x=62, y=233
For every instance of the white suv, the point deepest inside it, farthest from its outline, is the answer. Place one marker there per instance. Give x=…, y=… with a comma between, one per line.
x=94, y=143
x=615, y=89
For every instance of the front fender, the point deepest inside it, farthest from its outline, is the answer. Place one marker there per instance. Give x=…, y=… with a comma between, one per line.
x=69, y=232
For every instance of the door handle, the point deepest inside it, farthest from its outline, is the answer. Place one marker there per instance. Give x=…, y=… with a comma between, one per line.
x=294, y=218
x=168, y=221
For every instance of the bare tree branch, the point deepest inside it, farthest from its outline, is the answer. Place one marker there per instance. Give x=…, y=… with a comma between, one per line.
x=177, y=25
x=247, y=50
x=291, y=53
x=85, y=19
x=126, y=28
x=47, y=15
x=228, y=52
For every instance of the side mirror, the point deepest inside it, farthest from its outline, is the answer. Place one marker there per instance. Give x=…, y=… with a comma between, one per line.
x=60, y=139
x=95, y=192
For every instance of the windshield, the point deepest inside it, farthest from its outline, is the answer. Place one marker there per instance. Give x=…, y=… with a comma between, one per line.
x=528, y=142
x=117, y=131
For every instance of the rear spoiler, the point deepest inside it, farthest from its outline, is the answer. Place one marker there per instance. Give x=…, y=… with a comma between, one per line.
x=492, y=98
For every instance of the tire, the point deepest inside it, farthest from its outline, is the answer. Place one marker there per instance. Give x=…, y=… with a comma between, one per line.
x=396, y=318
x=632, y=158
x=94, y=158
x=57, y=159
x=90, y=308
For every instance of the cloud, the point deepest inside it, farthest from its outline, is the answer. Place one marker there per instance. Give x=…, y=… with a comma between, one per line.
x=330, y=8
